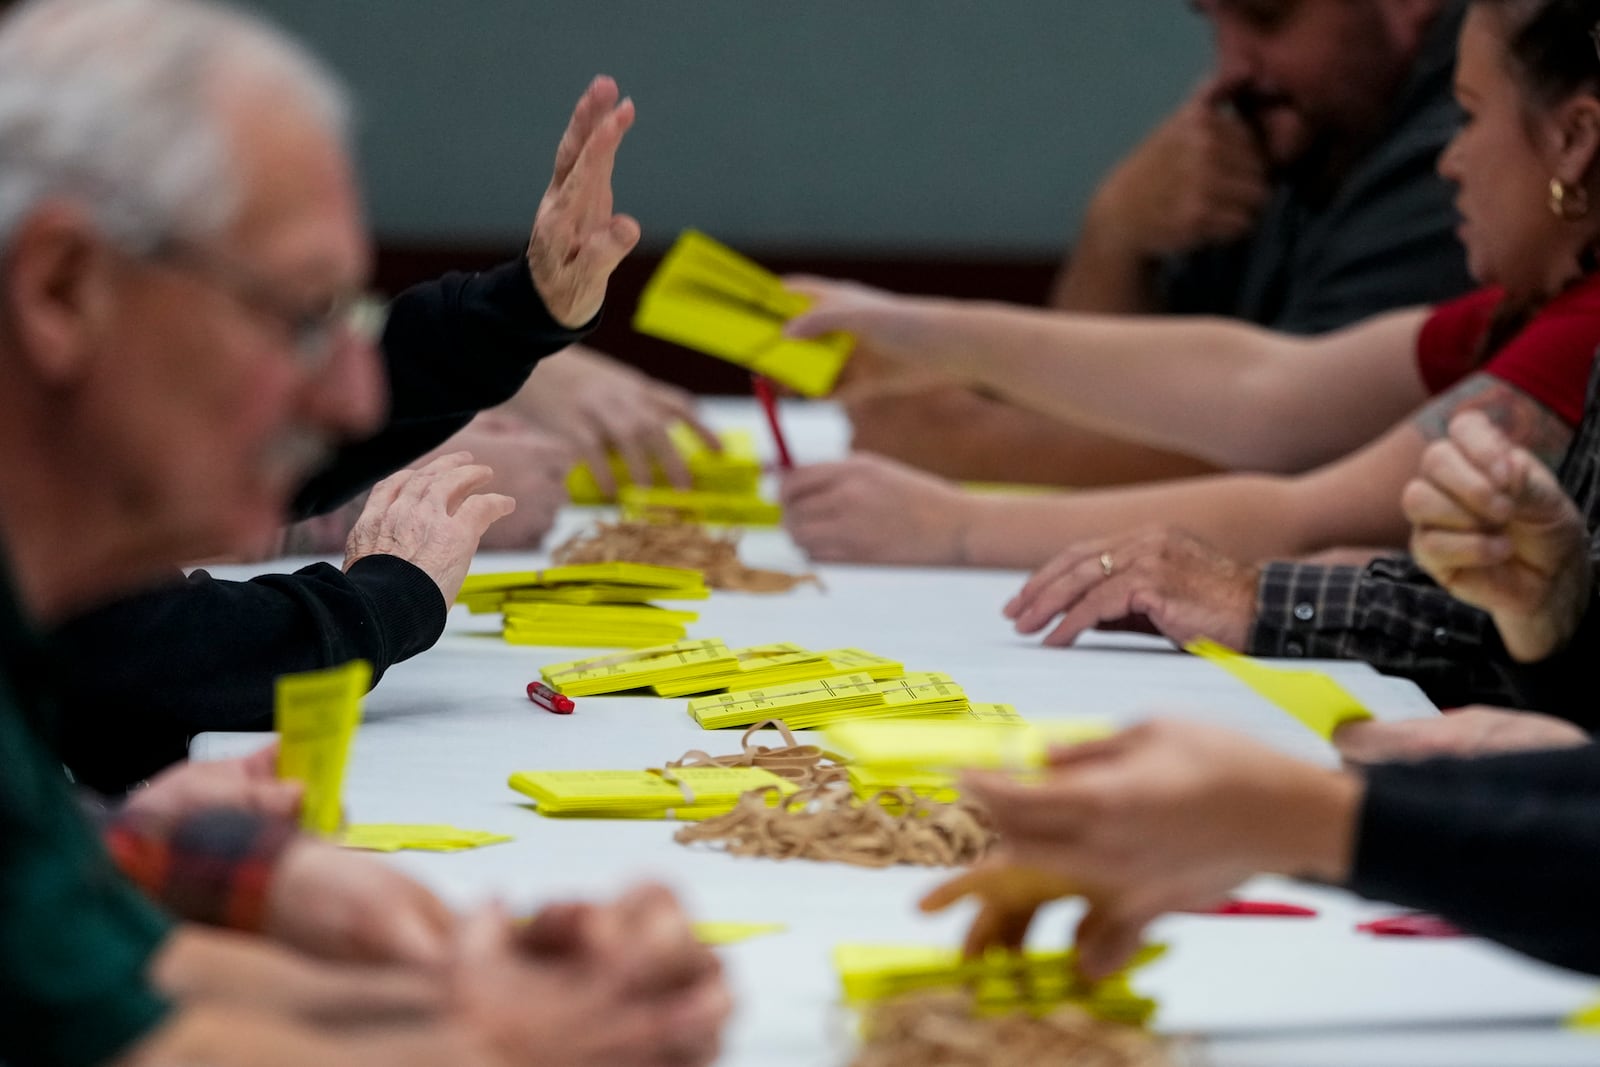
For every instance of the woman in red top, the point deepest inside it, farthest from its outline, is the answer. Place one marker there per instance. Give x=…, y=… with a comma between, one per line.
x=1335, y=424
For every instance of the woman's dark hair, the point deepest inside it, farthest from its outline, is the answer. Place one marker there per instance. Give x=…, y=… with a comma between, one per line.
x=1553, y=45
x=1554, y=50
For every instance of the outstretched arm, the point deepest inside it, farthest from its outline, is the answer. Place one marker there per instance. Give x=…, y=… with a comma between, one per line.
x=1230, y=393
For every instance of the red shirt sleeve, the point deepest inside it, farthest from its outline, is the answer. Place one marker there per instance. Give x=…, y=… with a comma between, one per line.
x=1550, y=359
x=1448, y=344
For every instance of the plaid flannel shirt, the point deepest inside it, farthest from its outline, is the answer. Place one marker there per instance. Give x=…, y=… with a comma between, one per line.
x=1393, y=616
x=214, y=867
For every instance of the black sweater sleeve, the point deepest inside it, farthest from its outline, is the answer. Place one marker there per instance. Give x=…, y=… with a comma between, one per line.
x=204, y=655
x=452, y=348
x=1507, y=847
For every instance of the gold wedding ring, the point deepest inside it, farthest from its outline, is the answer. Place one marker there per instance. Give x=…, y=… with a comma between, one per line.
x=1106, y=565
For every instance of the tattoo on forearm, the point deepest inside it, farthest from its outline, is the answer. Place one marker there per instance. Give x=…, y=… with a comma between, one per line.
x=1522, y=418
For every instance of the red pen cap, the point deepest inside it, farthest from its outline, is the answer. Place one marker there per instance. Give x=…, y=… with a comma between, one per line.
x=550, y=700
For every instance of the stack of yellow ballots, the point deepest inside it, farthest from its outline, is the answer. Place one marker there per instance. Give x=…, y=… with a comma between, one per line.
x=711, y=299
x=640, y=669
x=686, y=793
x=591, y=605
x=1001, y=741
x=926, y=756
x=999, y=981
x=727, y=509
x=782, y=664
x=730, y=478
x=808, y=705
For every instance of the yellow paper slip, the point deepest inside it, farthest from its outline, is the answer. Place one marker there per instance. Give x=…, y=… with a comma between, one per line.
x=396, y=837
x=1314, y=698
x=806, y=705
x=621, y=672
x=316, y=714
x=608, y=573
x=735, y=469
x=741, y=509
x=956, y=746
x=717, y=934
x=871, y=973
x=700, y=791
x=706, y=297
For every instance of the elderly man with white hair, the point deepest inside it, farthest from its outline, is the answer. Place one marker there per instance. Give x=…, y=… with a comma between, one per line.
x=180, y=242
x=198, y=654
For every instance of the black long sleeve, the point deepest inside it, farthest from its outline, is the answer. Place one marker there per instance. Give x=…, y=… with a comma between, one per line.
x=1507, y=847
x=203, y=654
x=452, y=348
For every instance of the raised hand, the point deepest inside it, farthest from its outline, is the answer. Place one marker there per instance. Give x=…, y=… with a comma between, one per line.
x=577, y=240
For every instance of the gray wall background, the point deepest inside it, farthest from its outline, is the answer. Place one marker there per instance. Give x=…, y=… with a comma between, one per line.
x=855, y=126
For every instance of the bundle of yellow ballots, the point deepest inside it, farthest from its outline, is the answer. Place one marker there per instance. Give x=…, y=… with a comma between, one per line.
x=927, y=756
x=808, y=705
x=709, y=298
x=687, y=793
x=590, y=605
x=995, y=742
x=640, y=669
x=733, y=471
x=767, y=665
x=709, y=666
x=1000, y=981
x=716, y=509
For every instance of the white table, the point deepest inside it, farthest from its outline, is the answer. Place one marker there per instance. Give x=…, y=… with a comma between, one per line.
x=444, y=732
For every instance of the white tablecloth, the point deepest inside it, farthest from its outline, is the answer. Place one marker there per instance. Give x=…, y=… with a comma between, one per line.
x=444, y=731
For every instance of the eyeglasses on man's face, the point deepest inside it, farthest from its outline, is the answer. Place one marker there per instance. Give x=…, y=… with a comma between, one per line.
x=314, y=333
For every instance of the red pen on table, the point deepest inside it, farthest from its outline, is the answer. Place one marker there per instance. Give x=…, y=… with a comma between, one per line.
x=769, y=404
x=550, y=700
x=1268, y=908
x=1413, y=925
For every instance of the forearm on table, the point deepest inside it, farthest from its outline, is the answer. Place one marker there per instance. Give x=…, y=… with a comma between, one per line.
x=206, y=966
x=1247, y=516
x=1178, y=384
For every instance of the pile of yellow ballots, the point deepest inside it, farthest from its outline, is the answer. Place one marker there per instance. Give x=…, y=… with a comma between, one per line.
x=709, y=666
x=780, y=664
x=715, y=509
x=591, y=605
x=926, y=757
x=808, y=705
x=689, y=793
x=726, y=485
x=709, y=298
x=999, y=981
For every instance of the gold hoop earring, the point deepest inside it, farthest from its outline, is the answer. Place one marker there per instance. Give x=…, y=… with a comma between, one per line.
x=1568, y=202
